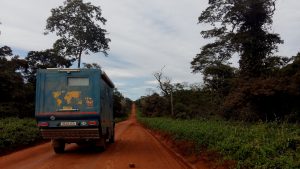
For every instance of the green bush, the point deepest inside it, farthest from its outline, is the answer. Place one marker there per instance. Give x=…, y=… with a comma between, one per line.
x=259, y=146
x=15, y=132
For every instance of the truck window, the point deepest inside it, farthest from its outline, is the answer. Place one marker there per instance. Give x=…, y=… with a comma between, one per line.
x=78, y=81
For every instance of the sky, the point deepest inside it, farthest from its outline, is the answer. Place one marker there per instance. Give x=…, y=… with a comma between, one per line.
x=146, y=35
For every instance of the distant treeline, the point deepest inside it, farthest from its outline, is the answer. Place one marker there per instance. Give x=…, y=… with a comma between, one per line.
x=274, y=97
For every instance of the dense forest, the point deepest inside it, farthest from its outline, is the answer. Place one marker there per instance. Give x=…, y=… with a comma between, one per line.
x=265, y=87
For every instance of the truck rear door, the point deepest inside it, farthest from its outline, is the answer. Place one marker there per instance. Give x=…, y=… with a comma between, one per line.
x=68, y=96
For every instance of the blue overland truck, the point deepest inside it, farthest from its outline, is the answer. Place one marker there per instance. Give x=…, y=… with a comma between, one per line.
x=74, y=106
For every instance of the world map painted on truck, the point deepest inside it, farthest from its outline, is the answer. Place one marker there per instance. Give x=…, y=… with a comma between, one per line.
x=70, y=99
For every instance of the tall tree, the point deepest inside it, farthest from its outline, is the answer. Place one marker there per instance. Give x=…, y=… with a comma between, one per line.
x=239, y=26
x=164, y=82
x=78, y=26
x=13, y=100
x=49, y=58
x=165, y=86
x=17, y=97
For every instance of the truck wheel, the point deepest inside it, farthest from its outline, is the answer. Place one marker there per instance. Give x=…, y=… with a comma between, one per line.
x=112, y=137
x=58, y=146
x=101, y=144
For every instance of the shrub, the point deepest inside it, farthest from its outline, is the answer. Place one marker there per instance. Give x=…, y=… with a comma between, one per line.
x=17, y=132
x=258, y=146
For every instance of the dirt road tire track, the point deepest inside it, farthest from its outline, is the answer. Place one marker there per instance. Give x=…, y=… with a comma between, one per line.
x=134, y=146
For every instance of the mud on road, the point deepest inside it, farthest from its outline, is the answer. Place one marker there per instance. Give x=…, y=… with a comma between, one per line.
x=134, y=148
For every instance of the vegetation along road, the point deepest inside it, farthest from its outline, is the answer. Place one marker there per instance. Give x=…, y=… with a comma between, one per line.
x=134, y=148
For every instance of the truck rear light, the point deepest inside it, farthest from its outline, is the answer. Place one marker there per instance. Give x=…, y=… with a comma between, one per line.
x=92, y=123
x=43, y=124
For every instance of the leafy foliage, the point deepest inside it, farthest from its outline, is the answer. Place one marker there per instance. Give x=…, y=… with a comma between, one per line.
x=274, y=98
x=264, y=85
x=258, y=146
x=154, y=105
x=78, y=26
x=218, y=79
x=49, y=58
x=14, y=91
x=91, y=65
x=189, y=102
x=121, y=105
x=17, y=132
x=239, y=26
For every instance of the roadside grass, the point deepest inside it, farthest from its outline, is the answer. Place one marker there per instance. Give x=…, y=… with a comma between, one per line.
x=258, y=146
x=16, y=133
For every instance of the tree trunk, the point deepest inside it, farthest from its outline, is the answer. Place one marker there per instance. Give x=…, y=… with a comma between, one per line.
x=79, y=58
x=172, y=109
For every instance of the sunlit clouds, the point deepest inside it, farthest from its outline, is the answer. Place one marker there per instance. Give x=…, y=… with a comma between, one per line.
x=146, y=36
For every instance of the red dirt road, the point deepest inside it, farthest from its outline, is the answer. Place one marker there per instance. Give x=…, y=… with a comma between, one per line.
x=134, y=145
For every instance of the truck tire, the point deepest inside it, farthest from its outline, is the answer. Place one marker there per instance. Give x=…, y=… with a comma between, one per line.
x=58, y=146
x=111, y=138
x=101, y=144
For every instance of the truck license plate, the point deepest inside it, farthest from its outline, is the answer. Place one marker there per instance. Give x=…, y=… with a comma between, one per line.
x=68, y=123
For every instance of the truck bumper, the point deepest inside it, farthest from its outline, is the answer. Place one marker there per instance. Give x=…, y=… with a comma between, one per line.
x=71, y=133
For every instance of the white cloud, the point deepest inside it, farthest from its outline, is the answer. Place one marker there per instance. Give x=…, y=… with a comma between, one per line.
x=287, y=23
x=120, y=73
x=151, y=82
x=119, y=84
x=146, y=35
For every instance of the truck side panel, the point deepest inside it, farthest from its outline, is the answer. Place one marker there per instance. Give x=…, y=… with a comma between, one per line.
x=106, y=105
